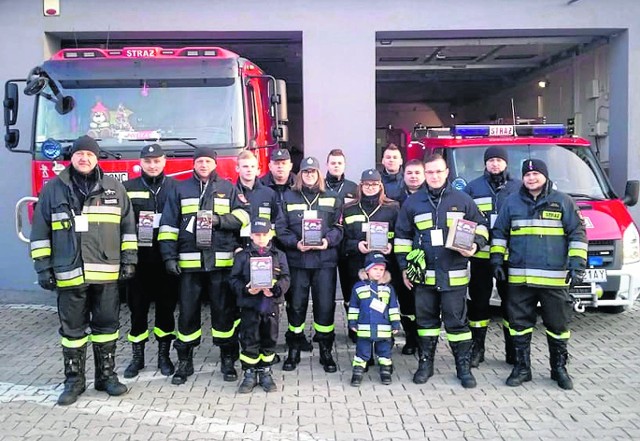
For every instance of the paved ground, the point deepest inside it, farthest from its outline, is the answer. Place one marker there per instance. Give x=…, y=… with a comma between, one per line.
x=313, y=405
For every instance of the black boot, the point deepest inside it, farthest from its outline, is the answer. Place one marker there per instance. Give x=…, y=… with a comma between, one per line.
x=293, y=357
x=305, y=345
x=164, y=361
x=427, y=349
x=137, y=361
x=356, y=376
x=411, y=335
x=522, y=368
x=249, y=381
x=185, y=362
x=509, y=352
x=229, y=353
x=385, y=374
x=326, y=359
x=104, y=355
x=462, y=353
x=75, y=382
x=558, y=356
x=266, y=380
x=477, y=352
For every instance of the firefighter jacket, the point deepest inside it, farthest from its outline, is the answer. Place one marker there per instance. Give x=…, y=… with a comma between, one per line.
x=260, y=202
x=489, y=195
x=149, y=194
x=543, y=237
x=177, y=236
x=402, y=192
x=392, y=183
x=278, y=188
x=365, y=314
x=367, y=210
x=422, y=214
x=346, y=189
x=82, y=257
x=328, y=207
x=241, y=277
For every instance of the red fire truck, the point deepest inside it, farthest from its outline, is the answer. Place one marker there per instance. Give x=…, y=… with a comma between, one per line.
x=129, y=97
x=613, y=274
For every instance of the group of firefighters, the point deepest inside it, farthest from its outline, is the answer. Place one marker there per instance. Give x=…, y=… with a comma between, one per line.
x=181, y=242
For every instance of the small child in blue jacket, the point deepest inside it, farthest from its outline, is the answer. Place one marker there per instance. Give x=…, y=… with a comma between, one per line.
x=374, y=317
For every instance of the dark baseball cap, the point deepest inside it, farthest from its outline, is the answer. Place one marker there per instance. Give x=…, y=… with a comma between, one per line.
x=280, y=155
x=373, y=259
x=371, y=175
x=260, y=226
x=151, y=151
x=309, y=163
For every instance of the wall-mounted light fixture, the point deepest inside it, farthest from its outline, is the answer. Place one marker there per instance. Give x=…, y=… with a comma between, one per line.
x=543, y=83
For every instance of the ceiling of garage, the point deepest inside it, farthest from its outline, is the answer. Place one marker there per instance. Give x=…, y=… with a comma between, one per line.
x=414, y=67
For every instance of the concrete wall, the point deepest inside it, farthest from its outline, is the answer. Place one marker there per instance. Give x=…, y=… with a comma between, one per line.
x=338, y=64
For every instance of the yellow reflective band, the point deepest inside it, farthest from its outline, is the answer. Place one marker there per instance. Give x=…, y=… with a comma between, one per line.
x=296, y=207
x=498, y=249
x=433, y=332
x=104, y=218
x=249, y=360
x=383, y=334
x=326, y=202
x=482, y=231
x=100, y=276
x=223, y=334
x=363, y=333
x=74, y=344
x=574, y=252
x=513, y=332
x=357, y=361
x=399, y=248
x=189, y=209
x=296, y=329
x=41, y=252
x=394, y=317
x=458, y=281
x=138, y=338
x=564, y=336
x=168, y=236
x=191, y=337
x=60, y=225
x=482, y=255
x=323, y=328
x=76, y=281
x=505, y=323
x=459, y=337
x=355, y=218
x=424, y=225
x=538, y=231
x=129, y=246
x=267, y=358
x=479, y=323
x=537, y=280
x=353, y=315
x=382, y=361
x=485, y=207
x=160, y=333
x=104, y=338
x=242, y=216
x=138, y=194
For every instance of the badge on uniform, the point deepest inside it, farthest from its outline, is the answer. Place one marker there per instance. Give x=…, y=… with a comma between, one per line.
x=437, y=238
x=80, y=223
x=145, y=228
x=378, y=305
x=204, y=229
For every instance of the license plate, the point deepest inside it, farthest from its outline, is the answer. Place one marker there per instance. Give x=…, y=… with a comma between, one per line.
x=595, y=275
x=118, y=176
x=500, y=130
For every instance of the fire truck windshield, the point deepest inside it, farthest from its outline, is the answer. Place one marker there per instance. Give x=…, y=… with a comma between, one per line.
x=208, y=113
x=573, y=170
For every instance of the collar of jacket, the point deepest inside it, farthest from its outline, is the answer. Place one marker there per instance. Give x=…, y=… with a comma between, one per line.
x=243, y=188
x=152, y=181
x=212, y=177
x=388, y=177
x=334, y=180
x=271, y=181
x=546, y=190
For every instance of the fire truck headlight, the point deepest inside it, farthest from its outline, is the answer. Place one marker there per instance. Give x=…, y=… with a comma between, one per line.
x=630, y=245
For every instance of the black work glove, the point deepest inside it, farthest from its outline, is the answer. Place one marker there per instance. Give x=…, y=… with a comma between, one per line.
x=215, y=221
x=498, y=273
x=172, y=267
x=127, y=271
x=575, y=277
x=46, y=280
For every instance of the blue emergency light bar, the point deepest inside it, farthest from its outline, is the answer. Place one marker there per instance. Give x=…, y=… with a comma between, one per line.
x=481, y=130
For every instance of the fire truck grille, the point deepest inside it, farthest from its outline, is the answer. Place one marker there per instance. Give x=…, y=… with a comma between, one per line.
x=603, y=249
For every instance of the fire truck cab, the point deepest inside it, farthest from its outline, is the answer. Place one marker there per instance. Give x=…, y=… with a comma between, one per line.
x=613, y=274
x=128, y=97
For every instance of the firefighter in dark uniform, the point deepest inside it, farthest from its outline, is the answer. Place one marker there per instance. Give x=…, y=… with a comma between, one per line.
x=82, y=241
x=438, y=275
x=371, y=205
x=312, y=266
x=259, y=306
x=392, y=174
x=489, y=192
x=542, y=231
x=198, y=230
x=148, y=194
x=280, y=177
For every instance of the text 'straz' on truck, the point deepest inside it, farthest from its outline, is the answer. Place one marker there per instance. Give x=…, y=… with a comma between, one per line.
x=129, y=97
x=613, y=274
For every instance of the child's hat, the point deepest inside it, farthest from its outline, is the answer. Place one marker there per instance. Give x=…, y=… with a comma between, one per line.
x=260, y=226
x=374, y=259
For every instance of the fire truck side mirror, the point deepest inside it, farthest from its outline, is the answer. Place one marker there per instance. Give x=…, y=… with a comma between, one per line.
x=10, y=104
x=281, y=97
x=631, y=193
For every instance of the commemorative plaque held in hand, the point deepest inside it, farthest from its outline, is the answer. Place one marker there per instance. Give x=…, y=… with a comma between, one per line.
x=145, y=228
x=461, y=235
x=312, y=232
x=204, y=229
x=378, y=236
x=261, y=272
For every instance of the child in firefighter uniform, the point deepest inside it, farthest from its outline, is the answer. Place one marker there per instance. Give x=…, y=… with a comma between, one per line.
x=374, y=316
x=259, y=307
